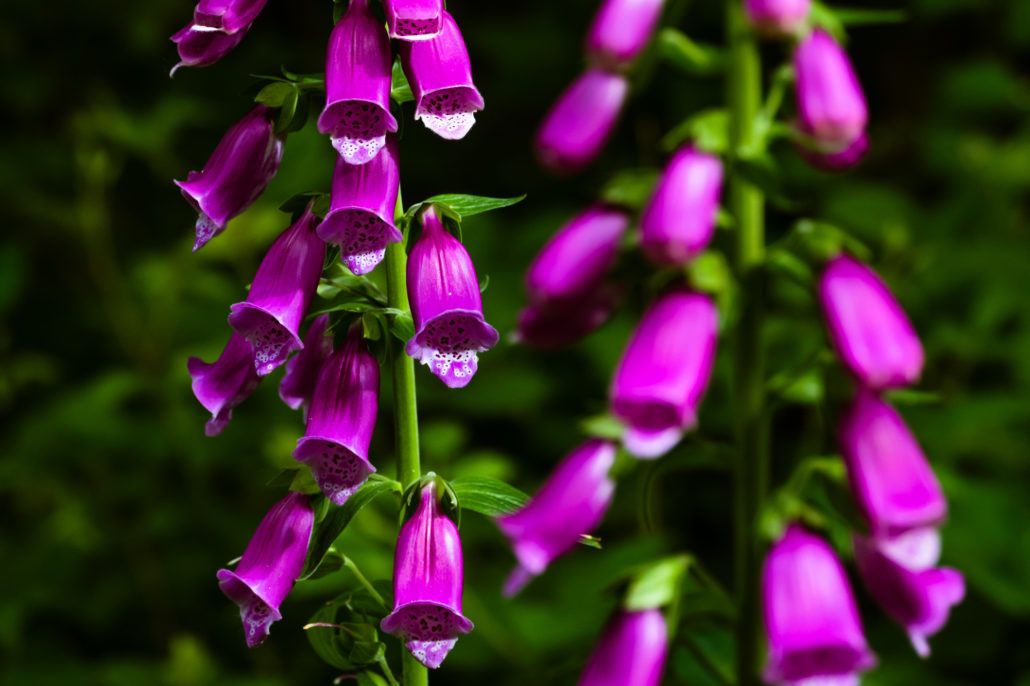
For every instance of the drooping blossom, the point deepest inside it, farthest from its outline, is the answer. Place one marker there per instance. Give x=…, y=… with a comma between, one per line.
x=440, y=75
x=580, y=122
x=357, y=82
x=428, y=575
x=777, y=17
x=811, y=620
x=659, y=382
x=270, y=565
x=226, y=16
x=831, y=105
x=679, y=219
x=620, y=30
x=303, y=369
x=570, y=504
x=360, y=218
x=222, y=385
x=631, y=652
x=240, y=169
x=413, y=20
x=200, y=48
x=840, y=161
x=556, y=323
x=446, y=305
x=280, y=294
x=341, y=420
x=870, y=331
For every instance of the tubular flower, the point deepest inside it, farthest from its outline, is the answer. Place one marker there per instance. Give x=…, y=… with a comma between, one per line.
x=303, y=369
x=578, y=125
x=360, y=219
x=659, y=382
x=240, y=169
x=446, y=305
x=631, y=652
x=555, y=323
x=280, y=294
x=830, y=100
x=413, y=20
x=679, y=219
x=273, y=560
x=890, y=478
x=570, y=503
x=837, y=161
x=870, y=331
x=777, y=17
x=427, y=584
x=918, y=597
x=226, y=16
x=621, y=29
x=202, y=48
x=357, y=82
x=440, y=75
x=222, y=385
x=812, y=623
x=342, y=419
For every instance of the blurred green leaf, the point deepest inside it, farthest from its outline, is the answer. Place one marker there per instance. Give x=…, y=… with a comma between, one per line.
x=656, y=585
x=677, y=49
x=630, y=188
x=708, y=130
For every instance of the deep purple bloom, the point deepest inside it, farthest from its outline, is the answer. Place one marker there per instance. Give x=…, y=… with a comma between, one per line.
x=199, y=48
x=304, y=368
x=341, y=420
x=280, y=294
x=578, y=125
x=679, y=219
x=843, y=160
x=427, y=584
x=360, y=219
x=777, y=17
x=440, y=75
x=891, y=480
x=446, y=305
x=631, y=652
x=556, y=323
x=870, y=331
x=273, y=560
x=240, y=169
x=357, y=82
x=621, y=29
x=413, y=20
x=811, y=620
x=659, y=382
x=226, y=16
x=570, y=504
x=919, y=598
x=222, y=385
x=830, y=100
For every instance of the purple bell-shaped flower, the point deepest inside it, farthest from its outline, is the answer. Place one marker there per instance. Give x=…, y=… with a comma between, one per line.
x=831, y=104
x=222, y=385
x=620, y=30
x=226, y=16
x=202, y=48
x=413, y=20
x=777, y=17
x=303, y=369
x=631, y=652
x=556, y=323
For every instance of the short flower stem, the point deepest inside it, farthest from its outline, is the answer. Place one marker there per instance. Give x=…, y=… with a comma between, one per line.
x=746, y=204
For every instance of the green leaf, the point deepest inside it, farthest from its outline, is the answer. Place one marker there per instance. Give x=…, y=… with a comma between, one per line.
x=823, y=241
x=657, y=584
x=276, y=93
x=679, y=50
x=296, y=204
x=469, y=205
x=488, y=496
x=708, y=129
x=709, y=272
x=630, y=187
x=323, y=636
x=400, y=91
x=788, y=264
x=287, y=110
x=603, y=426
x=367, y=652
x=590, y=541
x=402, y=326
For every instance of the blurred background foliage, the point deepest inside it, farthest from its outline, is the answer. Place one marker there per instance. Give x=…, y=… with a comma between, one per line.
x=117, y=510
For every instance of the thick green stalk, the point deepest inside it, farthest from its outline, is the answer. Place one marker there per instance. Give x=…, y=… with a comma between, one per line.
x=746, y=204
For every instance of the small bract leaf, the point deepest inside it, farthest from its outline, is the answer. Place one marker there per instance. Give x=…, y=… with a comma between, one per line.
x=400, y=91
x=656, y=585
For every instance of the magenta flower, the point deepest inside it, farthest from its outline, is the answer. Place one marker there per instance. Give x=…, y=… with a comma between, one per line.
x=837, y=161
x=440, y=75
x=360, y=219
x=830, y=100
x=870, y=331
x=570, y=504
x=357, y=82
x=659, y=382
x=342, y=419
x=811, y=620
x=556, y=323
x=413, y=20
x=240, y=169
x=919, y=598
x=201, y=48
x=273, y=560
x=620, y=30
x=222, y=385
x=280, y=294
x=679, y=219
x=891, y=480
x=427, y=584
x=631, y=652
x=304, y=368
x=446, y=305
x=777, y=17
x=226, y=16
x=580, y=122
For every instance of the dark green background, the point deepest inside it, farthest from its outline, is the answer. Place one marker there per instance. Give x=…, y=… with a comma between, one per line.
x=117, y=510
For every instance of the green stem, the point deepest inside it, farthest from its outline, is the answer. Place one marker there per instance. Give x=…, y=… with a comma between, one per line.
x=746, y=204
x=349, y=564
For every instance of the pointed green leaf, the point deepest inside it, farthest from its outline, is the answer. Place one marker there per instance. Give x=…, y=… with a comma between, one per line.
x=488, y=496
x=400, y=91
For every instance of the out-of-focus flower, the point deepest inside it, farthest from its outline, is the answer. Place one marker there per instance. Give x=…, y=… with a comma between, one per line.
x=413, y=20
x=631, y=652
x=200, y=48
x=222, y=385
x=303, y=369
x=831, y=104
x=556, y=323
x=842, y=160
x=777, y=17
x=621, y=29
